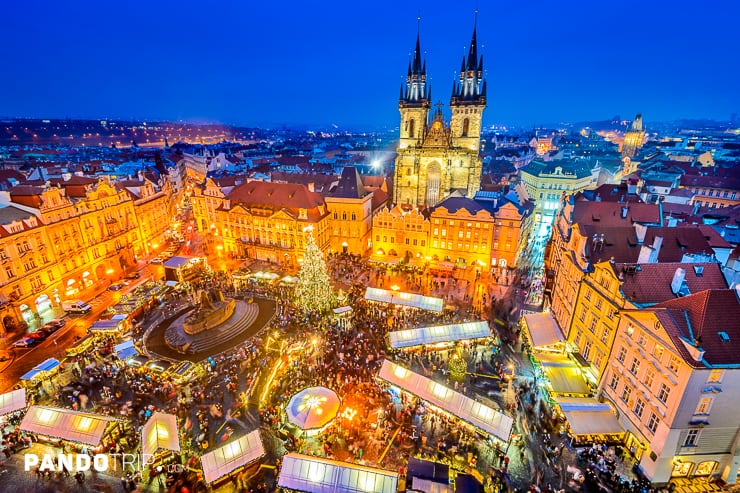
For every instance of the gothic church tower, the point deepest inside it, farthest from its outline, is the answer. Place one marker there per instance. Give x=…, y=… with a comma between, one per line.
x=436, y=159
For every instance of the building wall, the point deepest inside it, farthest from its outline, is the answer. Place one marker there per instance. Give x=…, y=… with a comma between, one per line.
x=351, y=224
x=391, y=230
x=461, y=237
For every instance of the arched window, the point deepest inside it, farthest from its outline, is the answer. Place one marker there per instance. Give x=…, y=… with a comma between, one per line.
x=466, y=127
x=354, y=216
x=344, y=216
x=411, y=128
x=335, y=215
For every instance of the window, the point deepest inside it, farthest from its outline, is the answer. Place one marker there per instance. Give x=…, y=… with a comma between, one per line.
x=614, y=382
x=592, y=326
x=605, y=335
x=423, y=242
x=642, y=340
x=653, y=422
x=663, y=393
x=598, y=304
x=586, y=349
x=408, y=241
x=582, y=316
x=635, y=366
x=639, y=408
x=704, y=405
x=598, y=359
x=692, y=437
x=658, y=351
x=622, y=354
x=716, y=376
x=377, y=237
x=674, y=365
x=626, y=393
x=649, y=377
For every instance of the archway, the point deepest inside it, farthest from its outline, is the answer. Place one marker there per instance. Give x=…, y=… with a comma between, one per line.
x=100, y=272
x=26, y=313
x=434, y=175
x=43, y=305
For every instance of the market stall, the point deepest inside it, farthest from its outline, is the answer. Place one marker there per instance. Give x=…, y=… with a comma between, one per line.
x=439, y=334
x=125, y=350
x=478, y=415
x=11, y=402
x=159, y=433
x=405, y=299
x=543, y=332
x=73, y=426
x=42, y=370
x=590, y=420
x=232, y=456
x=315, y=475
x=564, y=376
x=312, y=409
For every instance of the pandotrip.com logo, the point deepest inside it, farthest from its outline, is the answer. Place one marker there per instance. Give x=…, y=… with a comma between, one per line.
x=97, y=462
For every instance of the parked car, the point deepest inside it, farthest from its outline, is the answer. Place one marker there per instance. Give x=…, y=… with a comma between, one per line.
x=76, y=306
x=133, y=275
x=116, y=286
x=54, y=325
x=157, y=260
x=25, y=342
x=40, y=334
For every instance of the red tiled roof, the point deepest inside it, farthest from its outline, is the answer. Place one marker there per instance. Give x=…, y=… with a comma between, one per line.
x=610, y=213
x=27, y=195
x=379, y=199
x=728, y=182
x=709, y=313
x=278, y=196
x=651, y=283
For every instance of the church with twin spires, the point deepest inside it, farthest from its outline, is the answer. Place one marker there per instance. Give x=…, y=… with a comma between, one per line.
x=436, y=158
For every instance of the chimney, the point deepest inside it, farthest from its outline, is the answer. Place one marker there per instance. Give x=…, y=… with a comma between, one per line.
x=625, y=209
x=678, y=279
x=640, y=231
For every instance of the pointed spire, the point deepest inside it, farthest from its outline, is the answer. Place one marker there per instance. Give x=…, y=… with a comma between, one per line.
x=454, y=88
x=462, y=66
x=417, y=56
x=480, y=65
x=483, y=90
x=408, y=74
x=429, y=95
x=401, y=95
x=473, y=53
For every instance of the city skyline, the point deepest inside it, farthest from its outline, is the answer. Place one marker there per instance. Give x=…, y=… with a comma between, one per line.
x=343, y=64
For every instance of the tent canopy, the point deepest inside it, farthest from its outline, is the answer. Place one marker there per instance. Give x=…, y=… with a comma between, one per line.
x=233, y=455
x=405, y=299
x=160, y=432
x=439, y=333
x=65, y=424
x=313, y=408
x=11, y=402
x=543, y=330
x=477, y=414
x=125, y=350
x=44, y=367
x=587, y=416
x=177, y=262
x=564, y=375
x=315, y=475
x=342, y=309
x=107, y=326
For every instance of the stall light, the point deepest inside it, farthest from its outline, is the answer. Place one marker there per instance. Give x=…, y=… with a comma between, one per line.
x=231, y=450
x=85, y=424
x=46, y=415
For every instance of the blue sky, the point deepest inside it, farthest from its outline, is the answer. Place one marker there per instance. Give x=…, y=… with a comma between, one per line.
x=341, y=62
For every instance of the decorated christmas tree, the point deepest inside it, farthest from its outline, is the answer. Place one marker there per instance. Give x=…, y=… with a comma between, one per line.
x=457, y=366
x=313, y=291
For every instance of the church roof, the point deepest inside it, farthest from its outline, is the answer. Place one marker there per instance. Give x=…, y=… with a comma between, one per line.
x=350, y=185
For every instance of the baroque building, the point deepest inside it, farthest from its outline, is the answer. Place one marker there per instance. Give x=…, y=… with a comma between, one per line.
x=435, y=159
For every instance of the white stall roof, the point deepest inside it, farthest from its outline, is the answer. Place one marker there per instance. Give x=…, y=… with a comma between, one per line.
x=587, y=416
x=159, y=432
x=405, y=299
x=233, y=455
x=316, y=475
x=477, y=414
x=68, y=425
x=342, y=309
x=106, y=326
x=439, y=333
x=543, y=330
x=11, y=402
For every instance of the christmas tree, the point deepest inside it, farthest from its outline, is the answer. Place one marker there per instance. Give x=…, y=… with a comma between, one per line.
x=313, y=292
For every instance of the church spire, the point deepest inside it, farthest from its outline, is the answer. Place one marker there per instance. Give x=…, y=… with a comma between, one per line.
x=416, y=78
x=471, y=73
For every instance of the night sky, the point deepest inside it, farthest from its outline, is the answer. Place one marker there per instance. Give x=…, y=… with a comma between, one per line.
x=341, y=62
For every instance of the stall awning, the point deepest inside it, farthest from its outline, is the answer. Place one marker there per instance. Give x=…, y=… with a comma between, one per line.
x=233, y=455
x=171, y=284
x=31, y=374
x=106, y=326
x=587, y=416
x=405, y=299
x=342, y=309
x=65, y=424
x=477, y=414
x=159, y=432
x=177, y=262
x=564, y=375
x=439, y=333
x=49, y=365
x=11, y=402
x=316, y=475
x=543, y=330
x=125, y=350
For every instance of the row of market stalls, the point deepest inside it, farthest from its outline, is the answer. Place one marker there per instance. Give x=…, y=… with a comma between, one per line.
x=160, y=436
x=481, y=417
x=569, y=382
x=439, y=335
x=42, y=371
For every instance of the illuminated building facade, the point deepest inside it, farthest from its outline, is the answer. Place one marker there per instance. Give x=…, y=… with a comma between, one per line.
x=633, y=138
x=400, y=233
x=674, y=378
x=262, y=220
x=435, y=159
x=351, y=209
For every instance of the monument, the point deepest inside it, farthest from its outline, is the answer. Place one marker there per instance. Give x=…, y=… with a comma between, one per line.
x=212, y=310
